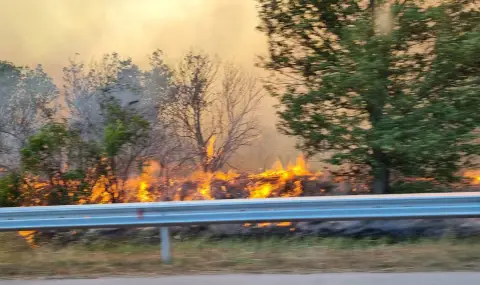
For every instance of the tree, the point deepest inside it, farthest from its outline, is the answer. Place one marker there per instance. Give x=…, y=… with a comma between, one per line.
x=126, y=136
x=105, y=110
x=116, y=105
x=10, y=190
x=28, y=101
x=164, y=145
x=401, y=96
x=212, y=109
x=87, y=88
x=46, y=155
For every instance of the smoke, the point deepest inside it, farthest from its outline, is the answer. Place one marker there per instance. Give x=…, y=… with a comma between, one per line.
x=49, y=32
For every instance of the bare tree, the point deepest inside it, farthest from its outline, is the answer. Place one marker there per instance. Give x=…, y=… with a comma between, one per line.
x=212, y=109
x=164, y=146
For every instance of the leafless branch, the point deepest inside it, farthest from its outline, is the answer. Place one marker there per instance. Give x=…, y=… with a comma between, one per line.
x=213, y=100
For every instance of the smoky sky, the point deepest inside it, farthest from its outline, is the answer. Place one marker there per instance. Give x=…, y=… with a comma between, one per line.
x=50, y=31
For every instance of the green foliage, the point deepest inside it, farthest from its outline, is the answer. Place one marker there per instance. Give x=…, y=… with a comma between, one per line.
x=43, y=150
x=45, y=155
x=404, y=98
x=9, y=74
x=124, y=131
x=47, y=152
x=9, y=190
x=405, y=187
x=123, y=127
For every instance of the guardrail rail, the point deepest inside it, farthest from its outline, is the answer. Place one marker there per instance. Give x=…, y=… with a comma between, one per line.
x=165, y=214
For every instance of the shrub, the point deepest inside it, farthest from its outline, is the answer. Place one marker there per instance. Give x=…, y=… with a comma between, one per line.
x=10, y=190
x=421, y=186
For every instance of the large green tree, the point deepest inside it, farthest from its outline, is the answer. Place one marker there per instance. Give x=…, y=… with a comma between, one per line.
x=389, y=84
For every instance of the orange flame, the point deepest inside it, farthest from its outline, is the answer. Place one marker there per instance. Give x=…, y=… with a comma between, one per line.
x=144, y=182
x=211, y=148
x=278, y=181
x=273, y=179
x=29, y=237
x=473, y=175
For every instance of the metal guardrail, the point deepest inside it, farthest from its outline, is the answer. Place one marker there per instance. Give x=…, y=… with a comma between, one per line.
x=164, y=214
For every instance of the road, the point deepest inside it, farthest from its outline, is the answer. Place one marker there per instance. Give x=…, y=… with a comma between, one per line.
x=275, y=279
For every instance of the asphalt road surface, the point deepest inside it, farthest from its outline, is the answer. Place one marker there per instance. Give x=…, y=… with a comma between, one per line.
x=275, y=279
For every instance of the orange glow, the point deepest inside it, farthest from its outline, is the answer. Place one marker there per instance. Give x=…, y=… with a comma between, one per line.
x=271, y=181
x=204, y=186
x=473, y=175
x=226, y=176
x=292, y=170
x=260, y=190
x=278, y=181
x=29, y=237
x=211, y=148
x=103, y=190
x=263, y=225
x=140, y=185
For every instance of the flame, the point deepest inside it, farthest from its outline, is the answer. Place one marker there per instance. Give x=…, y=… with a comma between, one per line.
x=211, y=148
x=264, y=188
x=226, y=176
x=204, y=185
x=292, y=170
x=103, y=190
x=137, y=188
x=259, y=190
x=263, y=225
x=146, y=180
x=271, y=182
x=29, y=237
x=143, y=195
x=473, y=175
x=277, y=181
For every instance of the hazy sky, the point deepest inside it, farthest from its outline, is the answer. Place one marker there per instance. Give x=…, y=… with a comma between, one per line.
x=51, y=31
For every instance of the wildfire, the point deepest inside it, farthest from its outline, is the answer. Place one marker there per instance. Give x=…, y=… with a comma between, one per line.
x=278, y=181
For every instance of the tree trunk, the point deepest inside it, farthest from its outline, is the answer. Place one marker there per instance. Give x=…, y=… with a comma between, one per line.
x=381, y=174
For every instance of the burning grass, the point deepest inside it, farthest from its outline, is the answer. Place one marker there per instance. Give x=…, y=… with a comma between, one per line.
x=292, y=180
x=306, y=255
x=150, y=185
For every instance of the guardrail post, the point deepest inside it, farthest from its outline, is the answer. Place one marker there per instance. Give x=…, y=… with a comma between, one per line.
x=166, y=250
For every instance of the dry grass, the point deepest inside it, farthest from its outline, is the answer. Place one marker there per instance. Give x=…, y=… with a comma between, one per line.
x=268, y=255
